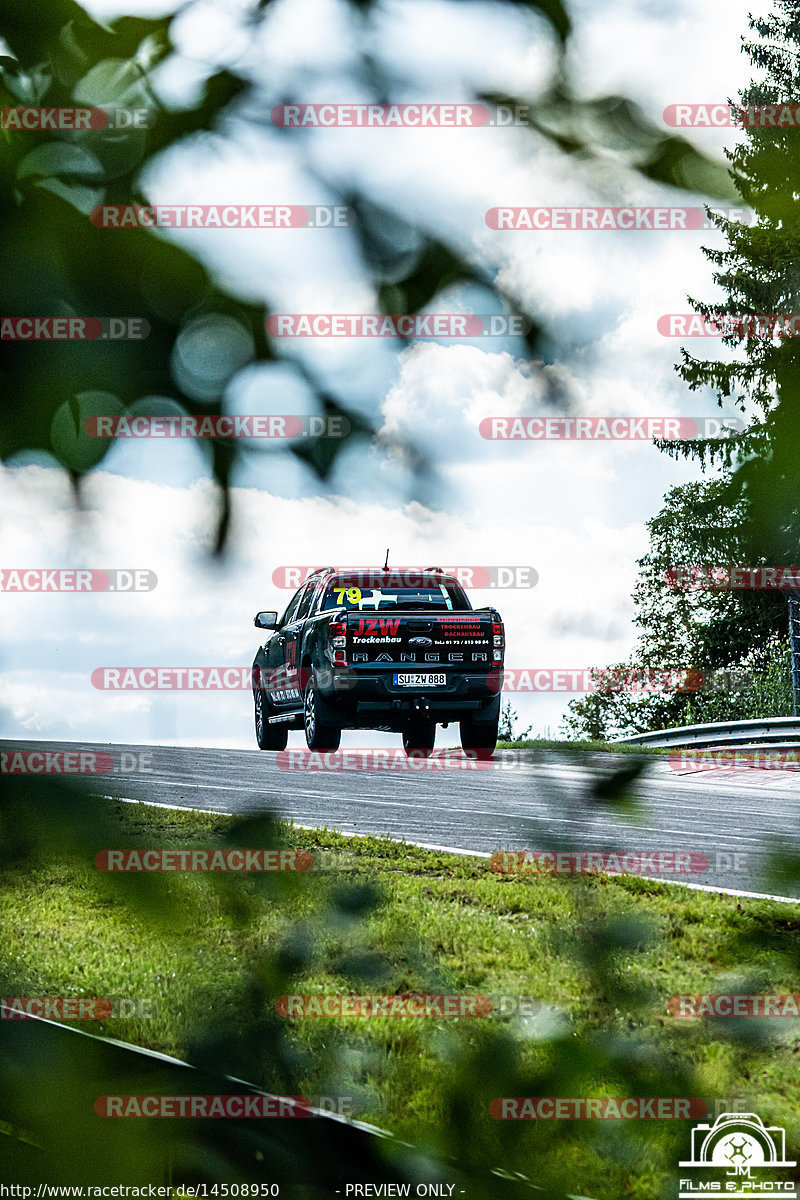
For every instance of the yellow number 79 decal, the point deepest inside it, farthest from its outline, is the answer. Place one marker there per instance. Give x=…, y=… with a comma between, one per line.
x=353, y=595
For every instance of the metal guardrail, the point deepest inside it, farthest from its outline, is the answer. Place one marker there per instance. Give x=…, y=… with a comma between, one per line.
x=778, y=733
x=51, y=1076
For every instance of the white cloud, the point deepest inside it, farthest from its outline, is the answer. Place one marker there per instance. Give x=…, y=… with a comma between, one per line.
x=201, y=613
x=574, y=511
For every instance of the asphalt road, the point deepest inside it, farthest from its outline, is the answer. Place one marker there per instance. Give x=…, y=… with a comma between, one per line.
x=545, y=802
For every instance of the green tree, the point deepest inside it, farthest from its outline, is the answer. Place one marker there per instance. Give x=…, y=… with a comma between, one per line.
x=508, y=722
x=758, y=274
x=701, y=628
x=694, y=635
x=748, y=513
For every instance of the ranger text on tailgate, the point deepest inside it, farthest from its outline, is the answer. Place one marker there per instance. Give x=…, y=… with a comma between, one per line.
x=374, y=649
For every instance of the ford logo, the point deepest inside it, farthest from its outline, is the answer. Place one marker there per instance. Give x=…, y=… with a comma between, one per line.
x=420, y=641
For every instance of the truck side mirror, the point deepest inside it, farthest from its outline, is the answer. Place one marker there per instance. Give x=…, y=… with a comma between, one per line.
x=266, y=620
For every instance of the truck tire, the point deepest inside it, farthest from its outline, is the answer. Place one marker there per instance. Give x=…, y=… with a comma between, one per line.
x=268, y=737
x=419, y=738
x=321, y=733
x=479, y=737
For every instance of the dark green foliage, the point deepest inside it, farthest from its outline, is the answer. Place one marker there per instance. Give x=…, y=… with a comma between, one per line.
x=54, y=261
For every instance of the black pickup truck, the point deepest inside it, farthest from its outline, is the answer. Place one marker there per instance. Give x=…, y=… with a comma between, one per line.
x=375, y=649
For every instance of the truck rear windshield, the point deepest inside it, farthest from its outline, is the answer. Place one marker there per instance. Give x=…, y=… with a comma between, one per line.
x=439, y=598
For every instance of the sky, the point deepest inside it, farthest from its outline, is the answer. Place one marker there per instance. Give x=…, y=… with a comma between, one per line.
x=575, y=511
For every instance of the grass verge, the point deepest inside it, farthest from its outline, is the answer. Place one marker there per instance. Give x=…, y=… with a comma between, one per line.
x=439, y=923
x=580, y=746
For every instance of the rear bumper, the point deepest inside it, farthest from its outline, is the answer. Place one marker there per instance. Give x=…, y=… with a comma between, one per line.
x=368, y=697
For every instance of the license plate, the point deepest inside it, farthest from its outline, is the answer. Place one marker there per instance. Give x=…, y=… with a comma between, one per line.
x=417, y=680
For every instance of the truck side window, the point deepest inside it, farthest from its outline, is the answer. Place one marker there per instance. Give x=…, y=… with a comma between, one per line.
x=291, y=609
x=305, y=600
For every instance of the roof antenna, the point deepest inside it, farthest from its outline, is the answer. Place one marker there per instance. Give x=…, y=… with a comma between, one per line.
x=386, y=564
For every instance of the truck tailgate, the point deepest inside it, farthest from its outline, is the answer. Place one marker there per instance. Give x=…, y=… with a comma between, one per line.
x=462, y=641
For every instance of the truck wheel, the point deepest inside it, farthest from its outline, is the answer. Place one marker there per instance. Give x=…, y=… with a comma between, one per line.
x=420, y=738
x=269, y=737
x=480, y=737
x=320, y=734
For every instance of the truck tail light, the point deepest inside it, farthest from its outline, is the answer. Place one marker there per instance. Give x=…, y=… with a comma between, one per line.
x=498, y=641
x=337, y=642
